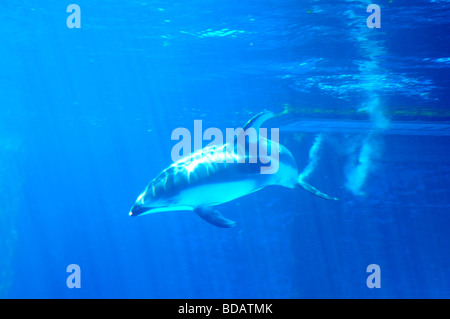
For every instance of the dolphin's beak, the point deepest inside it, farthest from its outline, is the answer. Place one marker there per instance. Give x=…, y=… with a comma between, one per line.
x=137, y=210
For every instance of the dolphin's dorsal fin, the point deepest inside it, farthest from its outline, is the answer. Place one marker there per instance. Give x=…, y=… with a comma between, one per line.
x=255, y=122
x=214, y=217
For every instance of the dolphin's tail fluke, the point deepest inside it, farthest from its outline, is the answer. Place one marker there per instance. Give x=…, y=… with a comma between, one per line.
x=314, y=190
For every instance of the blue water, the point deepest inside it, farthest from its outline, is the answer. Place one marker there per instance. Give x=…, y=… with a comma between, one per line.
x=86, y=122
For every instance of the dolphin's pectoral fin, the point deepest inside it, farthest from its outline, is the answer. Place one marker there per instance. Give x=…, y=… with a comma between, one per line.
x=213, y=216
x=314, y=190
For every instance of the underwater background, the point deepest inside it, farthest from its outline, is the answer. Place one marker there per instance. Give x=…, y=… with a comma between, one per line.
x=86, y=121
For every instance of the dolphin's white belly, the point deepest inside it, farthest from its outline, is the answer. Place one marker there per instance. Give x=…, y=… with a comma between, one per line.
x=215, y=194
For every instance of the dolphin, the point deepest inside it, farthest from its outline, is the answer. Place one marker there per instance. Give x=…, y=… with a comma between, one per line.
x=205, y=179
